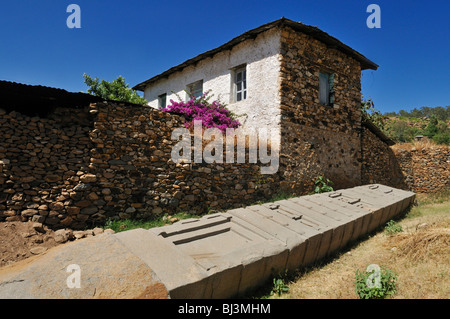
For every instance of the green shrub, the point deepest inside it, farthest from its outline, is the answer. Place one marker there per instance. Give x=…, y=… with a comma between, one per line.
x=279, y=286
x=392, y=227
x=375, y=282
x=442, y=138
x=323, y=185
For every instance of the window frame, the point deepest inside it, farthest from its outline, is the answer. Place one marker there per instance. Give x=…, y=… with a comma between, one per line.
x=191, y=86
x=243, y=91
x=160, y=100
x=329, y=99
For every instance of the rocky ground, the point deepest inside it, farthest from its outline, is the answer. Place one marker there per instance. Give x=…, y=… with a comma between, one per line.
x=20, y=240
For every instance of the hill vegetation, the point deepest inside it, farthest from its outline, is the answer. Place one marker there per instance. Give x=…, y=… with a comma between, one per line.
x=406, y=126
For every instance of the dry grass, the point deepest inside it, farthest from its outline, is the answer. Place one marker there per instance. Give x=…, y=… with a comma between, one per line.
x=424, y=144
x=420, y=255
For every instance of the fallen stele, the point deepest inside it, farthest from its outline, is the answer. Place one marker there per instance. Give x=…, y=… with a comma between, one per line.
x=220, y=255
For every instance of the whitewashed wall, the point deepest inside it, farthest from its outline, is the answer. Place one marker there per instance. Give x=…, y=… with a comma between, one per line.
x=262, y=56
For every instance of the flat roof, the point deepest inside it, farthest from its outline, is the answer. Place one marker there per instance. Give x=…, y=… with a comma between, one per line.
x=297, y=26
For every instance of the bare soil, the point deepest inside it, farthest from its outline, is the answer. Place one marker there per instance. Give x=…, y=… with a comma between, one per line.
x=19, y=240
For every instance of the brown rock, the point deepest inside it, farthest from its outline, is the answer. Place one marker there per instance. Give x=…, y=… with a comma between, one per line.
x=29, y=212
x=38, y=227
x=56, y=206
x=88, y=178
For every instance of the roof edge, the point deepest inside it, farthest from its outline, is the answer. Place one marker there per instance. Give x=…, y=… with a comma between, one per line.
x=298, y=26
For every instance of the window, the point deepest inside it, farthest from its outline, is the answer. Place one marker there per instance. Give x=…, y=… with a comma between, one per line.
x=326, y=92
x=162, y=100
x=195, y=89
x=240, y=84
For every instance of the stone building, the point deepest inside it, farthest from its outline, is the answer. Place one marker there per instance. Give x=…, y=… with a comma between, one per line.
x=294, y=77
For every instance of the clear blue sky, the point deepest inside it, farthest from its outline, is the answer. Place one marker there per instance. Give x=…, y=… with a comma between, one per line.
x=140, y=38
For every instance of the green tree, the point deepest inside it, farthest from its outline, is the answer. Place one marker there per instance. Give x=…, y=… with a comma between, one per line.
x=440, y=113
x=116, y=90
x=369, y=112
x=432, y=128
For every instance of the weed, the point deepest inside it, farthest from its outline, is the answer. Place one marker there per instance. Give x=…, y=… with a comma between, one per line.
x=279, y=286
x=392, y=227
x=375, y=282
x=323, y=185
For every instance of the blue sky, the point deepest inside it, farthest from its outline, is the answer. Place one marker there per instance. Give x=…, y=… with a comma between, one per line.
x=139, y=39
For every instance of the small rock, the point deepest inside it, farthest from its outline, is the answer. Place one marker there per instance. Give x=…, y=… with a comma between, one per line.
x=52, y=178
x=62, y=235
x=38, y=250
x=78, y=234
x=81, y=187
x=37, y=219
x=38, y=227
x=56, y=206
x=421, y=226
x=173, y=219
x=97, y=231
x=89, y=210
x=88, y=178
x=29, y=212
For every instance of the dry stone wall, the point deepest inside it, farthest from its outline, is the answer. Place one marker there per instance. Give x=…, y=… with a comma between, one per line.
x=327, y=135
x=380, y=165
x=79, y=167
x=41, y=161
x=425, y=170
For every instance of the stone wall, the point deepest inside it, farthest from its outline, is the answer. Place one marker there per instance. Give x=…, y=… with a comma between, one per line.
x=379, y=164
x=425, y=170
x=41, y=161
x=318, y=139
x=79, y=167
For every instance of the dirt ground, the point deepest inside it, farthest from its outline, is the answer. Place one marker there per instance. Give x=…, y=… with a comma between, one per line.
x=21, y=240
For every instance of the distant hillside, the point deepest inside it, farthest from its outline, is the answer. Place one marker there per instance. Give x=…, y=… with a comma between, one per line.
x=404, y=128
x=441, y=113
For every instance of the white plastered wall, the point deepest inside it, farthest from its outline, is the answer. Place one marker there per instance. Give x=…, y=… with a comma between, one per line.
x=262, y=57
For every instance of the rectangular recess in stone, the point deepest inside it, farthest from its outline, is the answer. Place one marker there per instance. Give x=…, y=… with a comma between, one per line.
x=296, y=238
x=351, y=220
x=391, y=204
x=313, y=234
x=192, y=224
x=331, y=232
x=362, y=216
x=376, y=201
x=390, y=199
x=407, y=196
x=376, y=213
x=396, y=202
x=342, y=224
